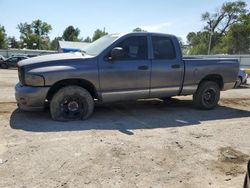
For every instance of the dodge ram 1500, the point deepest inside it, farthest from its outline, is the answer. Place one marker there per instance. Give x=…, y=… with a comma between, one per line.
x=120, y=67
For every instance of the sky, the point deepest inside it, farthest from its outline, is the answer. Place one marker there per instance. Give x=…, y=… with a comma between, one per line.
x=178, y=17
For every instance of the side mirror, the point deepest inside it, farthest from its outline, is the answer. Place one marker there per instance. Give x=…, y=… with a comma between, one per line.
x=117, y=53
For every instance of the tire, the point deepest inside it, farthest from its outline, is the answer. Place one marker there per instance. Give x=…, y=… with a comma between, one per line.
x=238, y=82
x=71, y=103
x=4, y=66
x=247, y=177
x=207, y=95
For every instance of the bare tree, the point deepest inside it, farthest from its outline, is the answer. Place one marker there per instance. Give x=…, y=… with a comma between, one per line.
x=219, y=22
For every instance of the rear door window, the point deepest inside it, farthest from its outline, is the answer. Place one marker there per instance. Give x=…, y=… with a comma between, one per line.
x=163, y=48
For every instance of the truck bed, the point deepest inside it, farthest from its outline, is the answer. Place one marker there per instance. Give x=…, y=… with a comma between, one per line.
x=196, y=70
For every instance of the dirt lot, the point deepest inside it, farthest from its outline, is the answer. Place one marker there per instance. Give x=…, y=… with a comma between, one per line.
x=137, y=144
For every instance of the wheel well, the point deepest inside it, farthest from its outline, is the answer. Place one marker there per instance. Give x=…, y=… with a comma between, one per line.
x=214, y=78
x=79, y=82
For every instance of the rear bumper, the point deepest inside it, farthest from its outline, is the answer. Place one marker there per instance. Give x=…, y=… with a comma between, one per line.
x=228, y=86
x=30, y=98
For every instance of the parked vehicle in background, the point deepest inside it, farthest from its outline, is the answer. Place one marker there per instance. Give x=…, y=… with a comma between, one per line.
x=11, y=61
x=31, y=55
x=2, y=58
x=242, y=78
x=120, y=67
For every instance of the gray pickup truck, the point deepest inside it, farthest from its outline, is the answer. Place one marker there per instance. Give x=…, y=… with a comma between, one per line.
x=120, y=67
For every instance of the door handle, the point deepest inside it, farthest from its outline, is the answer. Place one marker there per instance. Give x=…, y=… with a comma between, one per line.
x=176, y=66
x=144, y=67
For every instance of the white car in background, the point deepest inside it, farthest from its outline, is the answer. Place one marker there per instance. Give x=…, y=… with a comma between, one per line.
x=242, y=78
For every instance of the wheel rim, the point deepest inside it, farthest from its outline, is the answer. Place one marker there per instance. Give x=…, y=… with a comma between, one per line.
x=72, y=107
x=209, y=96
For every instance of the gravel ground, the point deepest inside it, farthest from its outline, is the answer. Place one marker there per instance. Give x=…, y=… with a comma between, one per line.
x=147, y=143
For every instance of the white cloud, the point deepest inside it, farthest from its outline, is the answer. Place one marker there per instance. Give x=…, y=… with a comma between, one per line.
x=156, y=27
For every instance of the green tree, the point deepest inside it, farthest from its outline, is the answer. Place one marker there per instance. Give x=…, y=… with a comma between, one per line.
x=54, y=43
x=87, y=39
x=229, y=14
x=41, y=29
x=3, y=43
x=98, y=34
x=219, y=22
x=13, y=42
x=35, y=35
x=138, y=29
x=241, y=36
x=237, y=40
x=71, y=34
x=221, y=29
x=198, y=42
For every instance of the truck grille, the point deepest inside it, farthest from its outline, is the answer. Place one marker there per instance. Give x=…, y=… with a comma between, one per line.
x=21, y=75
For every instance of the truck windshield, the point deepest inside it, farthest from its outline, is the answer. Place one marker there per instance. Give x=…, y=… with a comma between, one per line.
x=99, y=45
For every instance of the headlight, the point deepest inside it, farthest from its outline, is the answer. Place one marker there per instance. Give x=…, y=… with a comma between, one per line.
x=34, y=80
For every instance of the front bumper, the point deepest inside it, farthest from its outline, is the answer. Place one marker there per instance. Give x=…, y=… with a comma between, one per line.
x=30, y=98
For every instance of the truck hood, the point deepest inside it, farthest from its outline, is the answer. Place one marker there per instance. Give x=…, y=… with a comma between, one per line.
x=52, y=58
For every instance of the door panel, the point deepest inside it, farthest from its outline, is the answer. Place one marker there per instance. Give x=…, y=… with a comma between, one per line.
x=167, y=68
x=129, y=77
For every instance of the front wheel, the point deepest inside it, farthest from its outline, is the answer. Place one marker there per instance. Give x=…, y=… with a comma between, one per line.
x=71, y=103
x=207, y=95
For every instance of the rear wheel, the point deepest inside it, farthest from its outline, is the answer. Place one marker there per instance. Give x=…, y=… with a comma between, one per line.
x=71, y=103
x=207, y=95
